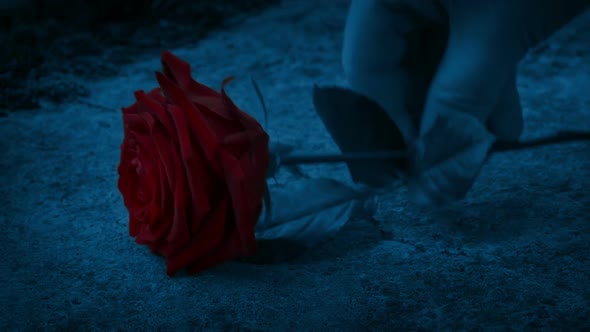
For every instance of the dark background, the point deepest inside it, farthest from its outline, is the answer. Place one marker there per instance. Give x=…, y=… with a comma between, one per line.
x=47, y=46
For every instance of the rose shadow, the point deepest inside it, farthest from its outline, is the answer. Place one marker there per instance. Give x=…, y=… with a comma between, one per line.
x=357, y=235
x=356, y=124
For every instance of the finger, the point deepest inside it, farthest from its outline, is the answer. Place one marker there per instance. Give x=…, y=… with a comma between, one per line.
x=445, y=162
x=476, y=66
x=471, y=78
x=374, y=51
x=506, y=120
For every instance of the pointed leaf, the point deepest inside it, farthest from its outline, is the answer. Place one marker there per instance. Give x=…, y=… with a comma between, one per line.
x=444, y=170
x=358, y=124
x=305, y=213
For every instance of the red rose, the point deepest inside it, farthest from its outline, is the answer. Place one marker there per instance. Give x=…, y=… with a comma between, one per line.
x=192, y=171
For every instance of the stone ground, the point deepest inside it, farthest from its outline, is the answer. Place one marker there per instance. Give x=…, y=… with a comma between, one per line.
x=514, y=255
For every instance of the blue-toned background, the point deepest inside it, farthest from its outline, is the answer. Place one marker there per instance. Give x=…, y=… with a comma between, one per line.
x=514, y=255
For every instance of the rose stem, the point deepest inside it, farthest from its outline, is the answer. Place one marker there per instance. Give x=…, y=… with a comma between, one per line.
x=296, y=159
x=560, y=137
x=393, y=155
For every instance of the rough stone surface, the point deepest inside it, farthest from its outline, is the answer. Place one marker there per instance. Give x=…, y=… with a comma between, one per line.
x=514, y=255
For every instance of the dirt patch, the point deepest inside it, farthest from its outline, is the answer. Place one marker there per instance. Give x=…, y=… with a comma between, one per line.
x=49, y=50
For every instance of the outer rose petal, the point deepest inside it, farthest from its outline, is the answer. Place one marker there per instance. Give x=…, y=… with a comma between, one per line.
x=152, y=104
x=179, y=71
x=199, y=169
x=221, y=127
x=222, y=253
x=135, y=124
x=164, y=145
x=147, y=189
x=165, y=187
x=244, y=213
x=155, y=234
x=159, y=137
x=176, y=219
x=244, y=143
x=179, y=234
x=133, y=109
x=208, y=141
x=207, y=239
x=214, y=108
x=248, y=122
x=136, y=180
x=156, y=95
x=127, y=175
x=202, y=179
x=127, y=181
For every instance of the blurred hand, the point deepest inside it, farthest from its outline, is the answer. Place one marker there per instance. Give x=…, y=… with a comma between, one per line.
x=445, y=71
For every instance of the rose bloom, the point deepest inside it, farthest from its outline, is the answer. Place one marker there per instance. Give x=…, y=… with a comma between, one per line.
x=192, y=171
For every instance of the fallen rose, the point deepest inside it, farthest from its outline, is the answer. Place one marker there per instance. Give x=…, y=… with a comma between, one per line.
x=192, y=171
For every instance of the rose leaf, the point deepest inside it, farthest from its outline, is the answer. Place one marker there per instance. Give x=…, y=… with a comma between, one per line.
x=358, y=124
x=304, y=214
x=444, y=170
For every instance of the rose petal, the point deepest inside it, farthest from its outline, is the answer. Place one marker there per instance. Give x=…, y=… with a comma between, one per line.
x=253, y=155
x=175, y=228
x=164, y=150
x=165, y=188
x=248, y=122
x=135, y=124
x=179, y=231
x=163, y=145
x=214, y=107
x=157, y=96
x=243, y=142
x=243, y=203
x=132, y=109
x=171, y=177
x=191, y=126
x=150, y=104
x=229, y=250
x=200, y=176
x=154, y=234
x=179, y=71
x=129, y=179
x=155, y=177
x=219, y=125
x=209, y=237
x=125, y=170
x=134, y=226
x=208, y=140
